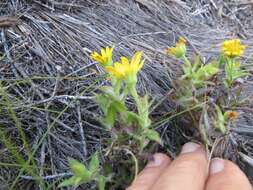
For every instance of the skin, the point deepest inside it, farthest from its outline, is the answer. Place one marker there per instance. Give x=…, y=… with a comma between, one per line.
x=191, y=171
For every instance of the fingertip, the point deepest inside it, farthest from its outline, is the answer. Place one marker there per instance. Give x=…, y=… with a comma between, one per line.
x=157, y=160
x=194, y=153
x=224, y=174
x=190, y=147
x=191, y=166
x=217, y=165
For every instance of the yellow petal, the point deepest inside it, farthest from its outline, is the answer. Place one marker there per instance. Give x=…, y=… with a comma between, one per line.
x=135, y=62
x=233, y=48
x=136, y=58
x=103, y=53
x=181, y=40
x=141, y=65
x=124, y=61
x=111, y=70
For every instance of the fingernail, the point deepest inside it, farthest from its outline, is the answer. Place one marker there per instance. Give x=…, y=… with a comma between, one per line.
x=155, y=161
x=190, y=147
x=217, y=165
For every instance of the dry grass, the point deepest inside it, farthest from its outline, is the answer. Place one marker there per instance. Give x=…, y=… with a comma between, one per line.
x=50, y=80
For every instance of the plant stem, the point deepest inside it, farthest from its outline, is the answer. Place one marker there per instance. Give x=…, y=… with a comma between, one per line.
x=135, y=162
x=135, y=95
x=117, y=87
x=229, y=72
x=186, y=60
x=125, y=93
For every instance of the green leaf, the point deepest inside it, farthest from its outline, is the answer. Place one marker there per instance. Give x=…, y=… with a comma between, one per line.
x=222, y=60
x=119, y=106
x=101, y=182
x=103, y=102
x=115, y=107
x=110, y=106
x=108, y=90
x=110, y=117
x=207, y=71
x=233, y=72
x=109, y=93
x=69, y=182
x=196, y=63
x=152, y=135
x=220, y=124
x=219, y=113
x=236, y=65
x=239, y=74
x=187, y=70
x=132, y=118
x=79, y=170
x=204, y=73
x=145, y=122
x=94, y=164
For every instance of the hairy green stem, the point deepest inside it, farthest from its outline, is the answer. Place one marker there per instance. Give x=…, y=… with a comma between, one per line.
x=186, y=60
x=229, y=75
x=135, y=95
x=117, y=87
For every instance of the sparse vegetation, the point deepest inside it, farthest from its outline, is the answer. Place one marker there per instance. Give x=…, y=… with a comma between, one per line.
x=74, y=115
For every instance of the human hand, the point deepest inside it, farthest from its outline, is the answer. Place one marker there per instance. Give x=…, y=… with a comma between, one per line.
x=190, y=171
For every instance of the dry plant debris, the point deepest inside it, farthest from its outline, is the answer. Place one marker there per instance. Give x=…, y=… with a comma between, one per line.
x=48, y=79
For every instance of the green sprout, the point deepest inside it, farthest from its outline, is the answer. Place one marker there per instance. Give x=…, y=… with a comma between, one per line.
x=82, y=174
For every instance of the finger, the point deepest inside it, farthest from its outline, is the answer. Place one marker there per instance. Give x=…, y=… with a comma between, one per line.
x=151, y=172
x=188, y=171
x=225, y=175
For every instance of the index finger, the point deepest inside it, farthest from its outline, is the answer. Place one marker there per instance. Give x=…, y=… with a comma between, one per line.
x=188, y=171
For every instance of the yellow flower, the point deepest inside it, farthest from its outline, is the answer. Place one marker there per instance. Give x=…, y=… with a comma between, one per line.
x=126, y=70
x=179, y=50
x=105, y=57
x=233, y=48
x=181, y=40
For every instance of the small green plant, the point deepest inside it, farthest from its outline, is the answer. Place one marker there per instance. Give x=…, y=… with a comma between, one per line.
x=233, y=72
x=223, y=119
x=112, y=99
x=199, y=73
x=82, y=174
x=231, y=50
x=195, y=75
x=130, y=127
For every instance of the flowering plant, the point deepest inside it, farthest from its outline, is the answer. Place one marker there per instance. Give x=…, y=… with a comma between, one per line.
x=197, y=75
x=231, y=50
x=123, y=78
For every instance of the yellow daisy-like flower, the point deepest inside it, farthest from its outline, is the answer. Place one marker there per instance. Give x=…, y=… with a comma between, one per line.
x=179, y=50
x=105, y=56
x=233, y=48
x=126, y=70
